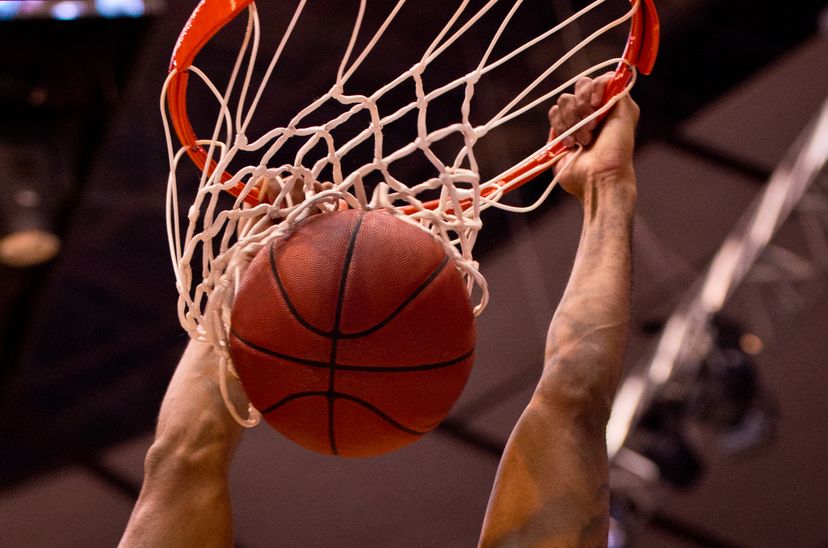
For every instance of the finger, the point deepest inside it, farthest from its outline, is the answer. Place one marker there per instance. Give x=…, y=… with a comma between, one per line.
x=583, y=105
x=569, y=114
x=268, y=188
x=626, y=112
x=297, y=189
x=619, y=126
x=599, y=88
x=583, y=87
x=556, y=122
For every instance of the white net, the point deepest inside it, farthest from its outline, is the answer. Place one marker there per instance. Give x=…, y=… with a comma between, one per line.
x=410, y=146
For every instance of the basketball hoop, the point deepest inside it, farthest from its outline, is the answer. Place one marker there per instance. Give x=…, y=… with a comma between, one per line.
x=303, y=165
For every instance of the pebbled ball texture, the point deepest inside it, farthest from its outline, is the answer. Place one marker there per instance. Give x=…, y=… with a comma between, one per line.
x=353, y=336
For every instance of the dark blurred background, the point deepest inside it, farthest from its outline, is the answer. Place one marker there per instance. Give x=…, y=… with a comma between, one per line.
x=90, y=335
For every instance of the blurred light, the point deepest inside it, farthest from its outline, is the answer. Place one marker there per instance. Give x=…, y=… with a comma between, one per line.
x=641, y=467
x=28, y=248
x=9, y=10
x=751, y=344
x=27, y=198
x=68, y=10
x=673, y=339
x=120, y=8
x=624, y=408
x=617, y=537
x=26, y=240
x=33, y=182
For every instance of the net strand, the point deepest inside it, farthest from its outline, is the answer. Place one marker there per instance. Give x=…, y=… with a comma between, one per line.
x=223, y=239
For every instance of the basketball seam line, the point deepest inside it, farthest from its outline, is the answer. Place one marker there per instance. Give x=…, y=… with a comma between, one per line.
x=338, y=395
x=335, y=335
x=340, y=299
x=413, y=295
x=358, y=368
x=331, y=334
x=343, y=279
x=287, y=300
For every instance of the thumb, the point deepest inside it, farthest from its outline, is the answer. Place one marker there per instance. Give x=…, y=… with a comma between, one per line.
x=621, y=121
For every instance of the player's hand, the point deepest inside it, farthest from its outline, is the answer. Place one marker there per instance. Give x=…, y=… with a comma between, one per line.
x=608, y=149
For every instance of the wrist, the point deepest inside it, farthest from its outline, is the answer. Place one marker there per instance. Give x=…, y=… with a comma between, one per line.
x=612, y=193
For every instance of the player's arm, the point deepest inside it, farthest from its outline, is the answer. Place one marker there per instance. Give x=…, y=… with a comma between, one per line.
x=184, y=499
x=551, y=487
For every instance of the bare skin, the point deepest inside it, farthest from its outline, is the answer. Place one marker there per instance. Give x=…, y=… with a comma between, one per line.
x=185, y=499
x=551, y=487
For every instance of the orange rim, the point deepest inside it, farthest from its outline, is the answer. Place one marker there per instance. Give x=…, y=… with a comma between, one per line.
x=210, y=16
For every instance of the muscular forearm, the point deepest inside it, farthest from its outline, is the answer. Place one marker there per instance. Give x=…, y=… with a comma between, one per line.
x=184, y=499
x=552, y=489
x=193, y=419
x=588, y=334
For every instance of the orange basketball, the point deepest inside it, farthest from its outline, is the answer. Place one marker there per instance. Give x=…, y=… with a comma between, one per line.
x=353, y=336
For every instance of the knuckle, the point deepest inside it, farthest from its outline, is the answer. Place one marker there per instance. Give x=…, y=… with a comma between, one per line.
x=559, y=126
x=566, y=100
x=583, y=82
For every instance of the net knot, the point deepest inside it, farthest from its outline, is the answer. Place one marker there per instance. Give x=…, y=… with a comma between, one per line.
x=417, y=69
x=381, y=164
x=259, y=172
x=240, y=140
x=337, y=90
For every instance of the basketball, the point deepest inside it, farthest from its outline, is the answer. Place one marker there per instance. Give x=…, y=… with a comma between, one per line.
x=353, y=335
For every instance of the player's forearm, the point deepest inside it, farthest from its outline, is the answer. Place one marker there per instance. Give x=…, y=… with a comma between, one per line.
x=184, y=499
x=181, y=508
x=587, y=336
x=194, y=424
